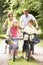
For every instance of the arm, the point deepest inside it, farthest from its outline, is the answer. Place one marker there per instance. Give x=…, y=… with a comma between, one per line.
x=34, y=21
x=21, y=22
x=4, y=25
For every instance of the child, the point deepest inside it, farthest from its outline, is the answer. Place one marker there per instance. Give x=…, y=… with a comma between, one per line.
x=30, y=29
x=13, y=32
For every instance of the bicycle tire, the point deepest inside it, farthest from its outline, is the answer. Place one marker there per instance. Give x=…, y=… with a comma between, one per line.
x=14, y=56
x=28, y=52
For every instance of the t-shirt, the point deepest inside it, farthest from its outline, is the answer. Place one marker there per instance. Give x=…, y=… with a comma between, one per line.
x=30, y=30
x=8, y=23
x=24, y=20
x=13, y=32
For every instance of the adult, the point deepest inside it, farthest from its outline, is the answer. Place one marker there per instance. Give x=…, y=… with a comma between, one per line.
x=24, y=21
x=7, y=24
x=26, y=17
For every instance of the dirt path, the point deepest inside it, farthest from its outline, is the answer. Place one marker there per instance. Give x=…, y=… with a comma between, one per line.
x=3, y=57
x=38, y=56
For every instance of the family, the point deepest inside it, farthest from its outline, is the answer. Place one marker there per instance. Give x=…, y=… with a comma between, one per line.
x=26, y=23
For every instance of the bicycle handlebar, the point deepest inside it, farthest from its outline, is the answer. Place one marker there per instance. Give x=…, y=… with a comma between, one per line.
x=28, y=33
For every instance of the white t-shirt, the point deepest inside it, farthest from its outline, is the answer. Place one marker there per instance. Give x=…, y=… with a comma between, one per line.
x=24, y=20
x=29, y=30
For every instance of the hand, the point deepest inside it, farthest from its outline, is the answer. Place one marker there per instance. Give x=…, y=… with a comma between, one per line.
x=4, y=29
x=37, y=27
x=19, y=35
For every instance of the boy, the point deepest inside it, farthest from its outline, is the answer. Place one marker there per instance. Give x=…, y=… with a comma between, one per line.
x=30, y=29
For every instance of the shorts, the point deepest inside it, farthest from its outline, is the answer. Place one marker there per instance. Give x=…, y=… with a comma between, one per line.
x=14, y=44
x=32, y=46
x=25, y=46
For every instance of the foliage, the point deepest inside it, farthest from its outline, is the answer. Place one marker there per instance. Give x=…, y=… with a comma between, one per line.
x=3, y=6
x=41, y=14
x=34, y=7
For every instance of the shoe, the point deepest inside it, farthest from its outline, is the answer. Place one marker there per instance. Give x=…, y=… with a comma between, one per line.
x=10, y=57
x=31, y=58
x=16, y=57
x=22, y=57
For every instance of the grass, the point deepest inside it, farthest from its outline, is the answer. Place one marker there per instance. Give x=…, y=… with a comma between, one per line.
x=21, y=61
x=2, y=36
x=41, y=43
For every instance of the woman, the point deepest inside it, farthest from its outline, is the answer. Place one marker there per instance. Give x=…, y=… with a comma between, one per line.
x=7, y=24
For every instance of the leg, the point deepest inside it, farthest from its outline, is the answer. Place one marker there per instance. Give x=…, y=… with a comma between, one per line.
x=24, y=48
x=15, y=47
x=31, y=49
x=10, y=51
x=5, y=49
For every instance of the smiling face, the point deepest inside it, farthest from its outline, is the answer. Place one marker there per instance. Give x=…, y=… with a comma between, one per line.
x=30, y=23
x=10, y=15
x=26, y=12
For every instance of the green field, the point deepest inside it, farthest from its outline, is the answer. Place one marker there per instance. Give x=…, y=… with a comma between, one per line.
x=41, y=43
x=21, y=61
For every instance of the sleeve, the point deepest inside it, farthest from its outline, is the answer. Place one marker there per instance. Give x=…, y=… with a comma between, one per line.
x=35, y=31
x=21, y=22
x=33, y=18
x=5, y=23
x=26, y=29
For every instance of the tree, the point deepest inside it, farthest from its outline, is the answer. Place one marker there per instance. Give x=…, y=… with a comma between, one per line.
x=3, y=6
x=41, y=14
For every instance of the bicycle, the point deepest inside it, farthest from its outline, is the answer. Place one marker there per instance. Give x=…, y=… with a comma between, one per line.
x=28, y=46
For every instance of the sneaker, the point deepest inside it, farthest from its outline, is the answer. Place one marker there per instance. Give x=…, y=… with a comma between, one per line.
x=16, y=57
x=22, y=57
x=10, y=57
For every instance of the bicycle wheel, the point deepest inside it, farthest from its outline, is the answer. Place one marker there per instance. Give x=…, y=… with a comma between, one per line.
x=14, y=55
x=28, y=52
x=33, y=50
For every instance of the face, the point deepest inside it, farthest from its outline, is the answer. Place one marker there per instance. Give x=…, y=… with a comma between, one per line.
x=30, y=24
x=10, y=16
x=26, y=13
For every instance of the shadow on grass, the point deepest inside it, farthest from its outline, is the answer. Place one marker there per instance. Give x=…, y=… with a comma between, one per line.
x=23, y=60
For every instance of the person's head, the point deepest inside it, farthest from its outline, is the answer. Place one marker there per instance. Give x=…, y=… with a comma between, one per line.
x=10, y=15
x=30, y=22
x=14, y=24
x=25, y=11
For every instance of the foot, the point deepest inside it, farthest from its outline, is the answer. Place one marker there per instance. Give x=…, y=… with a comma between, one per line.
x=10, y=57
x=16, y=57
x=22, y=57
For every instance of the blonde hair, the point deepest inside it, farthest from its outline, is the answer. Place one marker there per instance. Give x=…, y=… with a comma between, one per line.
x=25, y=10
x=8, y=15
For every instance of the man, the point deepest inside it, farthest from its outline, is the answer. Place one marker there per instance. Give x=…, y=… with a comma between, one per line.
x=25, y=18
x=24, y=21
